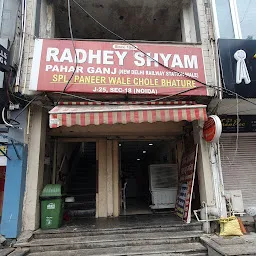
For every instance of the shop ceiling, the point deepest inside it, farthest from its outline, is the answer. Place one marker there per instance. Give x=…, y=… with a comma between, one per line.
x=132, y=19
x=138, y=150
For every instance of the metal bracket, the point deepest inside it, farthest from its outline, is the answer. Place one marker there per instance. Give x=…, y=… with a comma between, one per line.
x=199, y=220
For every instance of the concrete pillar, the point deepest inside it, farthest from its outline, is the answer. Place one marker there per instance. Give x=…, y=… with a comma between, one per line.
x=102, y=197
x=14, y=191
x=116, y=180
x=47, y=20
x=188, y=28
x=109, y=179
x=35, y=169
x=203, y=166
x=108, y=196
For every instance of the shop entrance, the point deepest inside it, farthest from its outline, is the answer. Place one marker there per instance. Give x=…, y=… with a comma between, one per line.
x=148, y=176
x=81, y=180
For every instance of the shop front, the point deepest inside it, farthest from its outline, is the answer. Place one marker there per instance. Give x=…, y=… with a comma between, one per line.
x=127, y=156
x=237, y=146
x=237, y=143
x=123, y=120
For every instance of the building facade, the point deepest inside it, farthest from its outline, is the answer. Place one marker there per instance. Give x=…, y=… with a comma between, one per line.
x=13, y=120
x=116, y=89
x=236, y=46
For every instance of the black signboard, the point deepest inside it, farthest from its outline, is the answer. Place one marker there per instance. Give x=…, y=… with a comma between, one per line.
x=4, y=59
x=238, y=66
x=246, y=124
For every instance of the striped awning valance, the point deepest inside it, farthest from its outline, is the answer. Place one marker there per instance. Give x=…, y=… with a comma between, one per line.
x=96, y=114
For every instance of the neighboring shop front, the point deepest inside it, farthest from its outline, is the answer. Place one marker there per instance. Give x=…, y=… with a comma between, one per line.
x=238, y=146
x=238, y=141
x=120, y=118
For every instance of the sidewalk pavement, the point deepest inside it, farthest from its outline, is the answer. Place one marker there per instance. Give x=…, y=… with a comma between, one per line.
x=230, y=246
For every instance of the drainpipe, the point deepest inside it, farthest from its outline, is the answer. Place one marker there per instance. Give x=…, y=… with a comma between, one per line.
x=218, y=179
x=219, y=209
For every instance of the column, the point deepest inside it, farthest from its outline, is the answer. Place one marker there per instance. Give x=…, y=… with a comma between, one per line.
x=188, y=23
x=35, y=171
x=108, y=196
x=102, y=197
x=116, y=180
x=110, y=177
x=203, y=166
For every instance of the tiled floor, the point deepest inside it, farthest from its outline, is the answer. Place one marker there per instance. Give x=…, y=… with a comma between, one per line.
x=123, y=221
x=136, y=206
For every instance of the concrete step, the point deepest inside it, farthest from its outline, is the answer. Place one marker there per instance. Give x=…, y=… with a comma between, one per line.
x=116, y=240
x=81, y=205
x=18, y=252
x=78, y=187
x=84, y=197
x=82, y=212
x=181, y=254
x=82, y=191
x=74, y=231
x=84, y=179
x=162, y=249
x=6, y=251
x=83, y=184
x=84, y=174
x=86, y=168
x=79, y=178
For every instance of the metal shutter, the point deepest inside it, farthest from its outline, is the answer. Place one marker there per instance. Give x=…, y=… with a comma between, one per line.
x=239, y=170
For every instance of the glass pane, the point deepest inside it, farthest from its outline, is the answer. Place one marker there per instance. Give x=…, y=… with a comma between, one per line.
x=224, y=19
x=247, y=15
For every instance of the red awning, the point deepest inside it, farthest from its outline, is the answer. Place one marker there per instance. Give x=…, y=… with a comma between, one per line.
x=84, y=114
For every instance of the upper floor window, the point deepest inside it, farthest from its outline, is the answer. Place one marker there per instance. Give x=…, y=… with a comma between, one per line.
x=236, y=18
x=247, y=18
x=149, y=20
x=224, y=19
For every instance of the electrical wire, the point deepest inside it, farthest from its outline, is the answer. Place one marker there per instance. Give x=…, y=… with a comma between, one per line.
x=227, y=109
x=22, y=44
x=73, y=43
x=20, y=98
x=161, y=64
x=28, y=104
x=246, y=11
x=132, y=103
x=247, y=110
x=237, y=136
x=3, y=118
x=237, y=124
x=134, y=46
x=170, y=69
x=11, y=139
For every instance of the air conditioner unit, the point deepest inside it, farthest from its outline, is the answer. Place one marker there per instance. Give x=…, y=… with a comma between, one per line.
x=236, y=199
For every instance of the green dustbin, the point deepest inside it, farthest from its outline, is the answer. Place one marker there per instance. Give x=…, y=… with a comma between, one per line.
x=51, y=206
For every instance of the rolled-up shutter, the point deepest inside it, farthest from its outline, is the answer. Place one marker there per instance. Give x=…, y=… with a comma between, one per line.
x=239, y=168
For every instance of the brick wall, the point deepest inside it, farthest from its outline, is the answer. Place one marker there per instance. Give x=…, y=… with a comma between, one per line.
x=206, y=30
